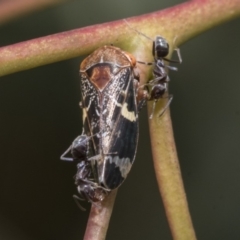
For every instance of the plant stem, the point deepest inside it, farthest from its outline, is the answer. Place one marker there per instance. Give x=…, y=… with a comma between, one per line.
x=169, y=178
x=179, y=23
x=99, y=218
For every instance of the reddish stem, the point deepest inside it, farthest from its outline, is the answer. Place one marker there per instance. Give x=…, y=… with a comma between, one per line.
x=99, y=218
x=182, y=21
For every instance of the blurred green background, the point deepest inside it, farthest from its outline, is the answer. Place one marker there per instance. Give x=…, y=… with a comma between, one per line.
x=40, y=117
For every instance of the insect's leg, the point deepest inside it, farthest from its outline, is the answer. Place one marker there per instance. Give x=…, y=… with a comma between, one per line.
x=179, y=55
x=77, y=199
x=143, y=97
x=146, y=63
x=179, y=60
x=171, y=68
x=170, y=98
x=153, y=108
x=141, y=104
x=66, y=158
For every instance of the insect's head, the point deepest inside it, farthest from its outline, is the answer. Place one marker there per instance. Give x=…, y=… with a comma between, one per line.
x=160, y=48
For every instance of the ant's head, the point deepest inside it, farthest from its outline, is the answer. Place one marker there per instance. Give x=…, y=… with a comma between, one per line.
x=160, y=48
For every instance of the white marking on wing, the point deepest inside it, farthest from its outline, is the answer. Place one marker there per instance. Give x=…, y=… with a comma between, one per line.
x=97, y=112
x=114, y=100
x=89, y=104
x=124, y=165
x=84, y=114
x=127, y=114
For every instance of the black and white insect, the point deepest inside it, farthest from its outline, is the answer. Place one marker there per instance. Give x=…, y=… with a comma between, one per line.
x=159, y=84
x=107, y=147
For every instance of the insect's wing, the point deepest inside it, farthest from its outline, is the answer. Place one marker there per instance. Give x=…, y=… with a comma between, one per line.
x=120, y=130
x=91, y=106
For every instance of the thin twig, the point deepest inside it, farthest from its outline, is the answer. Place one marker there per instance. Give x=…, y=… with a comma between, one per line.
x=169, y=177
x=99, y=218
